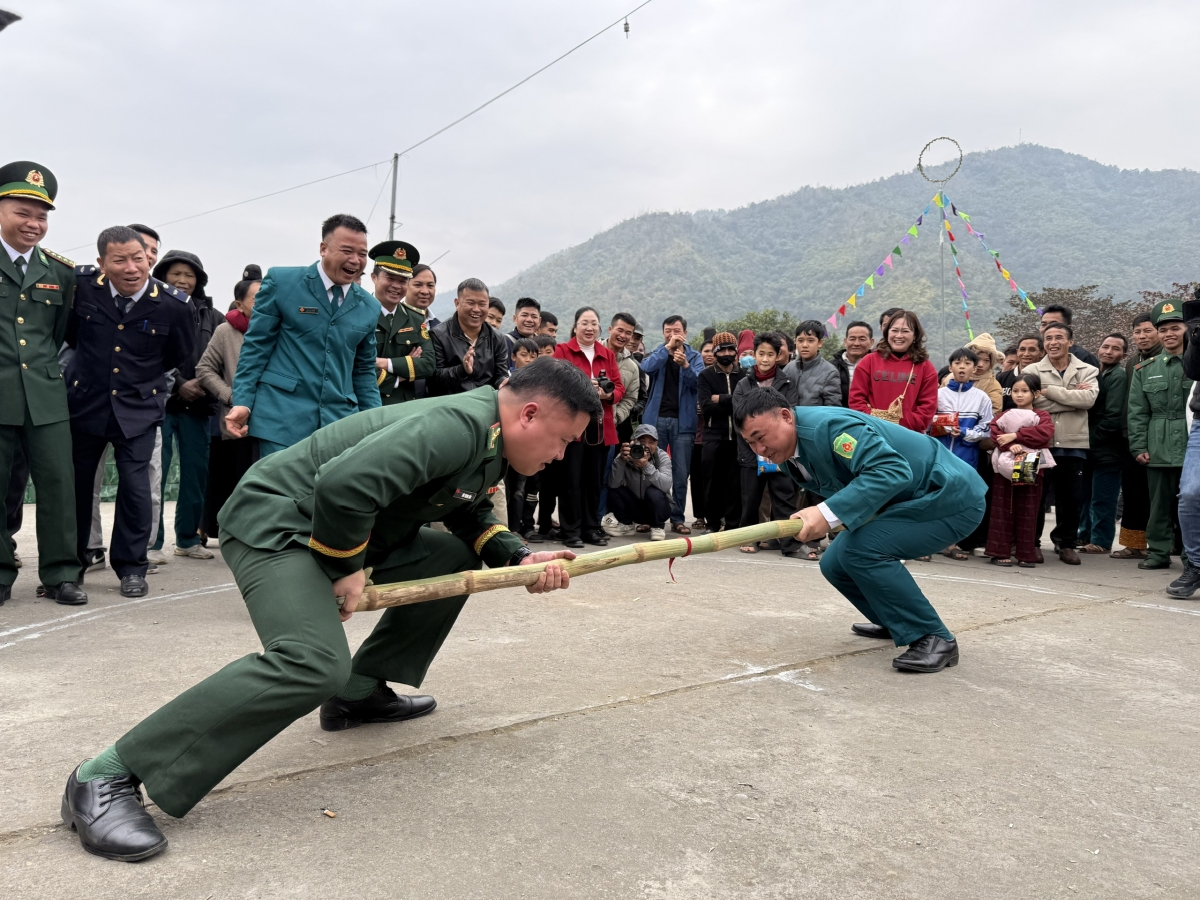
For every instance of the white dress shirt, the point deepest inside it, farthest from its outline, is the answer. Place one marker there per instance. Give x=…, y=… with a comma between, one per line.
x=135, y=297
x=13, y=254
x=328, y=282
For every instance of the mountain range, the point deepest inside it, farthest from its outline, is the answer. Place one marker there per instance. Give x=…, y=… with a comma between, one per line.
x=1057, y=219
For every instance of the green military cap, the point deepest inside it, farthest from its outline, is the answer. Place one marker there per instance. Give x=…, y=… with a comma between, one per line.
x=397, y=257
x=1169, y=310
x=30, y=180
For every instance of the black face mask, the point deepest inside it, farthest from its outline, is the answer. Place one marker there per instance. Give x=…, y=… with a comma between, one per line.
x=639, y=355
x=726, y=360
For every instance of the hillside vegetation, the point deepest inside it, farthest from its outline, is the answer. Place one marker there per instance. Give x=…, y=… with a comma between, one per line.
x=1058, y=220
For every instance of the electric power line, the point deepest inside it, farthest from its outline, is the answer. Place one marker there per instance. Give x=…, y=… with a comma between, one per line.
x=423, y=140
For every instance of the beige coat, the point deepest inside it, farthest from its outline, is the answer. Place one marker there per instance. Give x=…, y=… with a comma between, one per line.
x=1066, y=402
x=217, y=366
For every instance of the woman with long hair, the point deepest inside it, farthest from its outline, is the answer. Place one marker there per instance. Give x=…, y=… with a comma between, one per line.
x=897, y=382
x=228, y=457
x=578, y=474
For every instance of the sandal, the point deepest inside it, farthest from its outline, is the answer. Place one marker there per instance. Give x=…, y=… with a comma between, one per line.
x=643, y=529
x=748, y=548
x=699, y=525
x=1003, y=561
x=1026, y=565
x=813, y=555
x=955, y=553
x=1127, y=553
x=680, y=528
x=1093, y=548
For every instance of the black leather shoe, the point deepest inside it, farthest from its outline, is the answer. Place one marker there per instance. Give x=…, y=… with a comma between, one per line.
x=533, y=536
x=5, y=593
x=110, y=816
x=928, y=654
x=68, y=593
x=1154, y=564
x=134, y=586
x=384, y=705
x=573, y=543
x=866, y=629
x=597, y=538
x=1183, y=586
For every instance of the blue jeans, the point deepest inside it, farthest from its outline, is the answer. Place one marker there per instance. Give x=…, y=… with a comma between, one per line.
x=680, y=443
x=1189, y=496
x=1098, y=520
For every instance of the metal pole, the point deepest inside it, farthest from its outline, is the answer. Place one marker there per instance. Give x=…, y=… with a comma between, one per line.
x=392, y=218
x=942, y=242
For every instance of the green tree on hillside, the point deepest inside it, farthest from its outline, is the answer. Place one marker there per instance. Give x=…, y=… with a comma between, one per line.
x=1093, y=316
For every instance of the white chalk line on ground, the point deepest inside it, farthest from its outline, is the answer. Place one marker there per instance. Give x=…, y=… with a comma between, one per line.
x=88, y=615
x=1186, y=612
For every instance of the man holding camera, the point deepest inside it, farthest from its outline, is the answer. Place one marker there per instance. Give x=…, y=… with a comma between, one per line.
x=639, y=486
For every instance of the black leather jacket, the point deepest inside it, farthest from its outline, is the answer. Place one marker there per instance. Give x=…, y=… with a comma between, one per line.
x=449, y=346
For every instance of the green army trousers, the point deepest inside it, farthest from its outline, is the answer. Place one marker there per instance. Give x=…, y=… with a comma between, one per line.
x=182, y=751
x=1163, y=537
x=52, y=468
x=865, y=566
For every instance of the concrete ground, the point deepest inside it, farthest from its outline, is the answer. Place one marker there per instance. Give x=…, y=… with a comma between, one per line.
x=721, y=736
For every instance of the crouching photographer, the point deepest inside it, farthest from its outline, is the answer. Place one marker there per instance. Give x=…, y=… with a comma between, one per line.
x=639, y=486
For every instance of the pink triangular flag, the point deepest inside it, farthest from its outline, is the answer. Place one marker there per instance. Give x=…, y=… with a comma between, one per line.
x=888, y=262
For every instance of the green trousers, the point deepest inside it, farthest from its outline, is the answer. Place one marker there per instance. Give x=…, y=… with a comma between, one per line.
x=1163, y=537
x=48, y=449
x=864, y=565
x=183, y=750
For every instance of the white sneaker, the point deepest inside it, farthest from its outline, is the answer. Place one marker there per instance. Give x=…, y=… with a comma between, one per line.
x=614, y=528
x=981, y=552
x=196, y=552
x=156, y=558
x=658, y=534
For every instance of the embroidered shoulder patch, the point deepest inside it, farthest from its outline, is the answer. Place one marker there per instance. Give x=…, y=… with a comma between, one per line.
x=424, y=332
x=844, y=445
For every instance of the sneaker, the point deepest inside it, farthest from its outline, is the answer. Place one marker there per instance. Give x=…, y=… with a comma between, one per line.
x=196, y=552
x=617, y=529
x=156, y=558
x=658, y=534
x=151, y=569
x=94, y=560
x=981, y=552
x=1187, y=583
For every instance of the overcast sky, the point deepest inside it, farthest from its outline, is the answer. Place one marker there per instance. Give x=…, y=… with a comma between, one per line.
x=152, y=111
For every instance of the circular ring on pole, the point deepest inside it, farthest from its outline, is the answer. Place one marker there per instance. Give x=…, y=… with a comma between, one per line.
x=921, y=160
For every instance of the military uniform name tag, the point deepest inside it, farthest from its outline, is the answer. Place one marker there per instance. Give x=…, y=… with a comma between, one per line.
x=460, y=494
x=311, y=310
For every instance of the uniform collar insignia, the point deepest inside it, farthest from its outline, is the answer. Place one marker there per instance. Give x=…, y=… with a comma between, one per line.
x=493, y=436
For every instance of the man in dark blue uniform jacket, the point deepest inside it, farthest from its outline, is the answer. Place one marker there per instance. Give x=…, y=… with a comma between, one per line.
x=128, y=330
x=893, y=494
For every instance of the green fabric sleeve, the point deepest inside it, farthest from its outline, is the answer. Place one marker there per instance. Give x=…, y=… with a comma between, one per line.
x=1139, y=416
x=880, y=473
x=472, y=525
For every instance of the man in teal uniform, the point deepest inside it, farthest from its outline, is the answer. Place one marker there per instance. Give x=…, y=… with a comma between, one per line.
x=405, y=349
x=308, y=358
x=892, y=493
x=299, y=531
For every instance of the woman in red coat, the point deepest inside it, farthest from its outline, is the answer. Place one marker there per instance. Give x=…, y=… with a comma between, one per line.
x=579, y=473
x=898, y=369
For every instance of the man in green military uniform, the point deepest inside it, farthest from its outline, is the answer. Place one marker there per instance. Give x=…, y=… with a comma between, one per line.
x=300, y=530
x=37, y=288
x=405, y=349
x=1158, y=432
x=893, y=494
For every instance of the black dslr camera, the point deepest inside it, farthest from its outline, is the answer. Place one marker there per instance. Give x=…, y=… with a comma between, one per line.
x=605, y=382
x=637, y=450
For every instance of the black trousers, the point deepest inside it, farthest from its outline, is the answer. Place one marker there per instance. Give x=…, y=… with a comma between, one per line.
x=722, y=484
x=131, y=530
x=228, y=461
x=783, y=492
x=654, y=509
x=696, y=475
x=979, y=537
x=1136, y=489
x=514, y=490
x=579, y=475
x=549, y=478
x=1067, y=480
x=529, y=501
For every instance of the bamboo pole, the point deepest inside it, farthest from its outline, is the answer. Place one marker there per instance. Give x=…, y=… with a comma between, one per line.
x=381, y=596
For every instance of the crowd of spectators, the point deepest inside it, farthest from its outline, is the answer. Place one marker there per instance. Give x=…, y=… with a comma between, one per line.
x=1099, y=437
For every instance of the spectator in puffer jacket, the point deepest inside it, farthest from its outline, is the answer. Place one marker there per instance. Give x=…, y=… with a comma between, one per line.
x=972, y=406
x=815, y=381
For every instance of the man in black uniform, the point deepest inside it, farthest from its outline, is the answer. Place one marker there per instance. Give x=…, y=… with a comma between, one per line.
x=128, y=330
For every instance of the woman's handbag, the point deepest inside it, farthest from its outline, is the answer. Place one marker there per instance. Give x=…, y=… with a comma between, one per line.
x=895, y=410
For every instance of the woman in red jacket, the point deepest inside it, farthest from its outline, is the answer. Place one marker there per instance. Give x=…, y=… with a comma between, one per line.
x=579, y=473
x=899, y=369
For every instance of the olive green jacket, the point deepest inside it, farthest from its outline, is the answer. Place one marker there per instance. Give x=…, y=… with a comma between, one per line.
x=357, y=492
x=1158, y=410
x=33, y=322
x=398, y=335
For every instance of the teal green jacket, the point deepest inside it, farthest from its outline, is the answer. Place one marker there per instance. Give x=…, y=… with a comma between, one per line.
x=357, y=492
x=867, y=468
x=303, y=364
